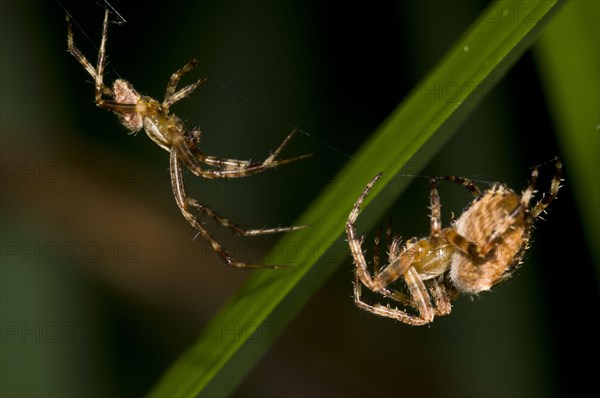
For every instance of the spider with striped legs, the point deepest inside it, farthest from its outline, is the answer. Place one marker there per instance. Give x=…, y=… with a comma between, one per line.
x=136, y=112
x=478, y=250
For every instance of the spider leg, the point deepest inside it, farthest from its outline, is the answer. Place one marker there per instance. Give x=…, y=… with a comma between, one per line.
x=398, y=264
x=436, y=210
x=388, y=233
x=452, y=218
x=355, y=243
x=379, y=283
x=236, y=228
x=391, y=272
x=463, y=244
x=184, y=92
x=465, y=182
x=101, y=62
x=391, y=244
x=232, y=168
x=541, y=205
x=438, y=290
x=441, y=296
x=236, y=168
x=74, y=51
x=418, y=292
x=270, y=162
x=98, y=72
x=376, y=268
x=175, y=77
x=224, y=163
x=184, y=204
x=398, y=296
x=171, y=96
x=400, y=261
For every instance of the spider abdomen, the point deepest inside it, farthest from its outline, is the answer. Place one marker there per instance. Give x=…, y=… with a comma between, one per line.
x=124, y=93
x=484, y=226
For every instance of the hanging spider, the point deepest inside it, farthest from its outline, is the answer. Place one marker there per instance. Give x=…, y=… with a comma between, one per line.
x=136, y=112
x=477, y=251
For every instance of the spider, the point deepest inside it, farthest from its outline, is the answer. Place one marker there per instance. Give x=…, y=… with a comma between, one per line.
x=477, y=251
x=136, y=111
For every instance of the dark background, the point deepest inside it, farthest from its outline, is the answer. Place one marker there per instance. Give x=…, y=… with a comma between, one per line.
x=102, y=285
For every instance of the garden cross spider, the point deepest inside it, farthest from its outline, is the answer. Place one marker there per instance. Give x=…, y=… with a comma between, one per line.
x=136, y=112
x=477, y=251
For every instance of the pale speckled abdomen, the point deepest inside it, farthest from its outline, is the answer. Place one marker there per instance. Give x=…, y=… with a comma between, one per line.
x=480, y=221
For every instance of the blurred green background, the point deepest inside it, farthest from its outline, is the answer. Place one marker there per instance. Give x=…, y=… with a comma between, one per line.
x=102, y=286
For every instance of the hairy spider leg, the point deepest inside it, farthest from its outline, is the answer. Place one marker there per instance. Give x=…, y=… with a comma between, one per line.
x=184, y=203
x=98, y=72
x=465, y=182
x=171, y=96
x=415, y=285
x=541, y=205
x=436, y=210
x=246, y=168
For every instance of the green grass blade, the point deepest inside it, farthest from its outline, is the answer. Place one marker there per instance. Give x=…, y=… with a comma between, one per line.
x=568, y=55
x=248, y=324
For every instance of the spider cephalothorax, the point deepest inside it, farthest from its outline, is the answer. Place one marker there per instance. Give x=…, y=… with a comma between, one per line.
x=137, y=112
x=477, y=251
